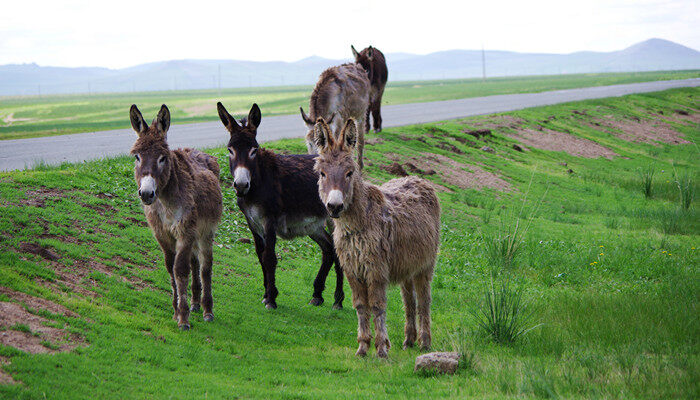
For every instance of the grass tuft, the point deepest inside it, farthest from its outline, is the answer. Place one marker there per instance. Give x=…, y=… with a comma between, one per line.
x=686, y=188
x=504, y=316
x=647, y=176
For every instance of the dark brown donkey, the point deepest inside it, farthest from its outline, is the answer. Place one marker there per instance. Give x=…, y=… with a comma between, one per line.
x=182, y=202
x=278, y=194
x=372, y=60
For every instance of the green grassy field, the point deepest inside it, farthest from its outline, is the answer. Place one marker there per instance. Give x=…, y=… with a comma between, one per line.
x=612, y=277
x=55, y=115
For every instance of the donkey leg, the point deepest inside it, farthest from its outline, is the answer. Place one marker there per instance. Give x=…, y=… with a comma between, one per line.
x=324, y=242
x=196, y=283
x=361, y=304
x=339, y=293
x=182, y=270
x=270, y=264
x=409, y=306
x=377, y=302
x=377, y=115
x=259, y=249
x=206, y=258
x=169, y=255
x=422, y=284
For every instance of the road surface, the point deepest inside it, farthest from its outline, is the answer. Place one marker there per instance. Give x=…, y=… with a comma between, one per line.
x=24, y=153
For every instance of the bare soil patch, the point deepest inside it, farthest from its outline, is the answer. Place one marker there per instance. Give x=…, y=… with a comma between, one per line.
x=38, y=250
x=37, y=197
x=5, y=378
x=37, y=303
x=101, y=209
x=12, y=314
x=453, y=172
x=374, y=140
x=494, y=122
x=641, y=131
x=547, y=139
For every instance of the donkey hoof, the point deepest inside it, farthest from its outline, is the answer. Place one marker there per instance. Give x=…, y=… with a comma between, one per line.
x=377, y=130
x=382, y=353
x=184, y=327
x=271, y=305
x=408, y=344
x=208, y=317
x=338, y=306
x=195, y=307
x=316, y=301
x=265, y=300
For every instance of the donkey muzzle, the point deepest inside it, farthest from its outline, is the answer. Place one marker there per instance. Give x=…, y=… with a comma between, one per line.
x=241, y=180
x=147, y=190
x=334, y=203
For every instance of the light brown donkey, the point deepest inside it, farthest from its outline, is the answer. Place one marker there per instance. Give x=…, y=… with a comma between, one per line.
x=182, y=201
x=343, y=90
x=383, y=234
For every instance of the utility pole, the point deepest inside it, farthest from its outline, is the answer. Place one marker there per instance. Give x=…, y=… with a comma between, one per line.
x=483, y=62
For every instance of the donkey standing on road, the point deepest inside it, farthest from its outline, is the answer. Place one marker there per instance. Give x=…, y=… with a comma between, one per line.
x=182, y=202
x=372, y=60
x=278, y=194
x=383, y=234
x=342, y=90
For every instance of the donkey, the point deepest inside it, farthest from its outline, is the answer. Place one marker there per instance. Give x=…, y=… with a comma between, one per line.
x=182, y=202
x=342, y=90
x=278, y=194
x=372, y=60
x=383, y=234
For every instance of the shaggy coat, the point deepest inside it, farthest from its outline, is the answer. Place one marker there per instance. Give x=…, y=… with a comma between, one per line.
x=383, y=234
x=372, y=60
x=182, y=202
x=342, y=92
x=278, y=194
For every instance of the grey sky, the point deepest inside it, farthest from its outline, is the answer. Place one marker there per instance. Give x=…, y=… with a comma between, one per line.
x=118, y=34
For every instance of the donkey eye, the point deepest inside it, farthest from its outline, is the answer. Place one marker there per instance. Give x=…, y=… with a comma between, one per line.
x=323, y=175
x=230, y=150
x=348, y=175
x=161, y=159
x=137, y=158
x=253, y=152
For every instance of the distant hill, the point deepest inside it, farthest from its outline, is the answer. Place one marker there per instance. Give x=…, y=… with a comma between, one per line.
x=31, y=79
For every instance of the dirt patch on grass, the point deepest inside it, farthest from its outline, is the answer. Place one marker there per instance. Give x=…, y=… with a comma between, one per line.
x=493, y=122
x=39, y=337
x=641, y=131
x=101, y=209
x=547, y=139
x=136, y=221
x=374, y=140
x=37, y=303
x=43, y=252
x=37, y=197
x=453, y=172
x=5, y=378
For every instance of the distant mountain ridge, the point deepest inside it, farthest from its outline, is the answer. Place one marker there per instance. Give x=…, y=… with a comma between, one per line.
x=31, y=79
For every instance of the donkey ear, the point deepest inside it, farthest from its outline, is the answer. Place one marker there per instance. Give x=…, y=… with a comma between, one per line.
x=370, y=52
x=354, y=52
x=308, y=121
x=162, y=120
x=226, y=118
x=349, y=133
x=137, y=121
x=254, y=116
x=323, y=137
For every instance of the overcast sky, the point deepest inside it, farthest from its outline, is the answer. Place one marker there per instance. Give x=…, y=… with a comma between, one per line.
x=123, y=33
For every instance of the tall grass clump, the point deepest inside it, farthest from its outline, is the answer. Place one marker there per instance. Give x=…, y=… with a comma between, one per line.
x=647, y=176
x=504, y=245
x=686, y=188
x=503, y=316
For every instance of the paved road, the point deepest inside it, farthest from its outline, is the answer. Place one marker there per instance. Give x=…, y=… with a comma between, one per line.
x=23, y=153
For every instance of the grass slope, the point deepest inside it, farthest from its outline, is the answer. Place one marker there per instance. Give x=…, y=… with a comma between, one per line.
x=615, y=286
x=23, y=117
